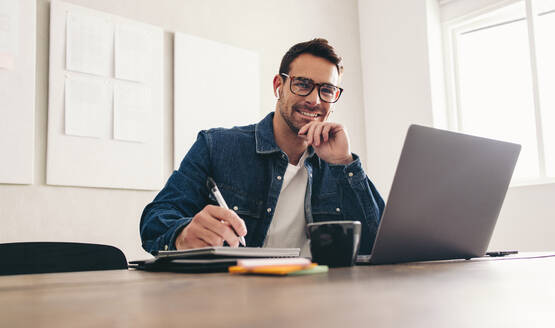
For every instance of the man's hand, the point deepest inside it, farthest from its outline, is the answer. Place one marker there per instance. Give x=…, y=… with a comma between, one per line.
x=329, y=140
x=211, y=227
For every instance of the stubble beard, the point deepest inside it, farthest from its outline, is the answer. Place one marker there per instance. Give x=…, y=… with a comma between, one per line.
x=287, y=117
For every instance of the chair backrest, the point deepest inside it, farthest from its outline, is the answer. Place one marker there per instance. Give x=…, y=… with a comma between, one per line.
x=45, y=257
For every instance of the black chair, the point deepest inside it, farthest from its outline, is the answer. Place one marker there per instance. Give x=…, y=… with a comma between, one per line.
x=46, y=257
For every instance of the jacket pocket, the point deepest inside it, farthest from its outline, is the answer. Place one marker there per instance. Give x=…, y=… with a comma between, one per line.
x=327, y=208
x=242, y=203
x=246, y=206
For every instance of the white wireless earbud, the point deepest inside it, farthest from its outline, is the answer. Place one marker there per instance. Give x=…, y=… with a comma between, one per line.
x=277, y=93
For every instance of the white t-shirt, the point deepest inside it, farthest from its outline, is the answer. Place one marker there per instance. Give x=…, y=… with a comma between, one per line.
x=288, y=225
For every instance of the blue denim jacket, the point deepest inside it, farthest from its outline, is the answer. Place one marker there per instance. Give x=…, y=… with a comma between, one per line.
x=245, y=163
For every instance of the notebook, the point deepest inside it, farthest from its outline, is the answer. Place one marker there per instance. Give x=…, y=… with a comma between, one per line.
x=228, y=252
x=445, y=198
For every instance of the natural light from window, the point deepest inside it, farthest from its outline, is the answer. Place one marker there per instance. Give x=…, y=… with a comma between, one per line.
x=496, y=96
x=504, y=68
x=546, y=75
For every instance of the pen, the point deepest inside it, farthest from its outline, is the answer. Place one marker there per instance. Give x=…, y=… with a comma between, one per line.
x=220, y=199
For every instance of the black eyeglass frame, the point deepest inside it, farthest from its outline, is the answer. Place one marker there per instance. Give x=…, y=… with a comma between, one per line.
x=314, y=84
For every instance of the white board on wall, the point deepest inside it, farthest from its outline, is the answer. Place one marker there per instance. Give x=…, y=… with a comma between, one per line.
x=215, y=85
x=105, y=100
x=17, y=90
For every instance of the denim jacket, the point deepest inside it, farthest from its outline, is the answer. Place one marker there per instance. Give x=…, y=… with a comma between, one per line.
x=245, y=163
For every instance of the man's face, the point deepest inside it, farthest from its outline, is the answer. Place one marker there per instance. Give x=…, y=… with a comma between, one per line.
x=296, y=110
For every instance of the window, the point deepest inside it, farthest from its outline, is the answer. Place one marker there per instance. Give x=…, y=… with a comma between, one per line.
x=500, y=68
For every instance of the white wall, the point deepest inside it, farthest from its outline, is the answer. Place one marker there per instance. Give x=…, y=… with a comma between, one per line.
x=402, y=85
x=396, y=79
x=40, y=212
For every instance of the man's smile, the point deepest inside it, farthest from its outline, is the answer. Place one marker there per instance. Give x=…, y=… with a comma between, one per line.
x=309, y=114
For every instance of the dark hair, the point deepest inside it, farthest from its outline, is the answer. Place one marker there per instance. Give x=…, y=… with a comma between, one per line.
x=316, y=47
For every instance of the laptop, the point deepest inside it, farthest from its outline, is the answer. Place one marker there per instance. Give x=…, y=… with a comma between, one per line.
x=445, y=198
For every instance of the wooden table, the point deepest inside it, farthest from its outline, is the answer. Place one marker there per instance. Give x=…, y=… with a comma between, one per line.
x=477, y=293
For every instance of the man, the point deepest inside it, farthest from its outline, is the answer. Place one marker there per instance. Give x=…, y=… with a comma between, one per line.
x=292, y=168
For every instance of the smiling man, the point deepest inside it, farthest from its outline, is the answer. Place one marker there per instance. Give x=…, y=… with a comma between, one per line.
x=292, y=168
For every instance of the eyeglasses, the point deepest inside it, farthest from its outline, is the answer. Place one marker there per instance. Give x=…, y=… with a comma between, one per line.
x=302, y=86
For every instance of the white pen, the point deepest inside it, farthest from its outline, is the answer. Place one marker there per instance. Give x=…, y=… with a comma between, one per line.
x=221, y=201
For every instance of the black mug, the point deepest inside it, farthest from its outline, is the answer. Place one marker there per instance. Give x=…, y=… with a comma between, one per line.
x=334, y=243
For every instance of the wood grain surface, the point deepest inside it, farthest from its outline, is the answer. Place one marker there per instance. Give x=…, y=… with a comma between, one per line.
x=494, y=293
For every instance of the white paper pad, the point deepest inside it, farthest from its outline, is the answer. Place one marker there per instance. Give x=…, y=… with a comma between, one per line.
x=9, y=33
x=132, y=52
x=132, y=109
x=87, y=107
x=90, y=44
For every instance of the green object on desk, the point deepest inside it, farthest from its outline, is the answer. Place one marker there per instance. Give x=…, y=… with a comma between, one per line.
x=314, y=270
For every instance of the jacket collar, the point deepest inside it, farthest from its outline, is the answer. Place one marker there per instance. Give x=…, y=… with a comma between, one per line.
x=264, y=133
x=265, y=140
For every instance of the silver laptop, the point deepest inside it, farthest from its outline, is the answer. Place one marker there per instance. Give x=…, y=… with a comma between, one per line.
x=445, y=198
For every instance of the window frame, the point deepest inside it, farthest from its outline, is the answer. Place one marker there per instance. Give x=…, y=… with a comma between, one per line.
x=482, y=18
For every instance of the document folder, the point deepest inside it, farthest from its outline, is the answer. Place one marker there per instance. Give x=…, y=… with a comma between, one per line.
x=208, y=259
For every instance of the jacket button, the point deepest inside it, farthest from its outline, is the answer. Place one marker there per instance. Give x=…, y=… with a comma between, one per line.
x=235, y=208
x=269, y=209
x=351, y=174
x=278, y=177
x=338, y=209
